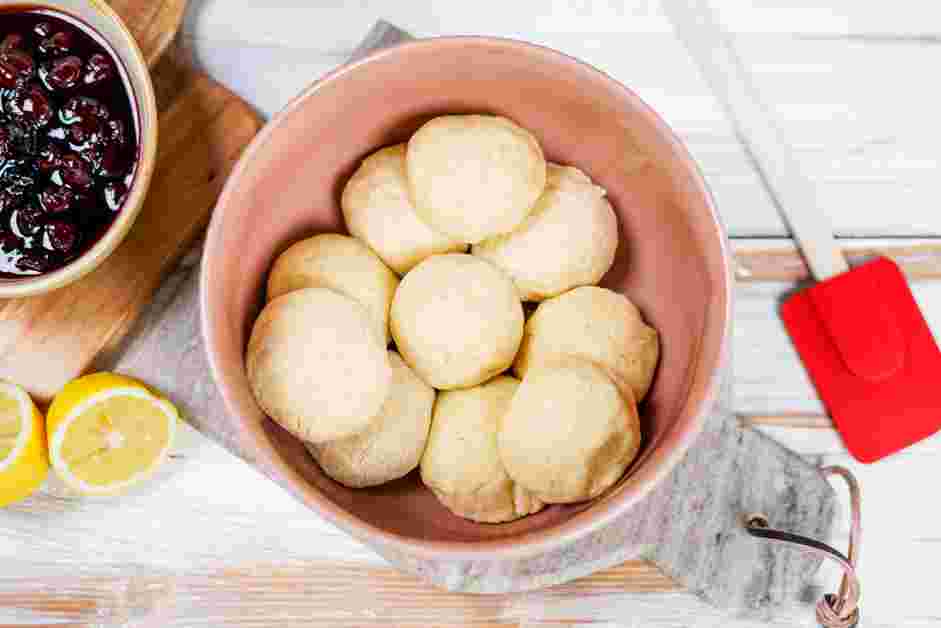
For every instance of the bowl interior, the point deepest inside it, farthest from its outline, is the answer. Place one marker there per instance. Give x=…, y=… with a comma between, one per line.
x=106, y=23
x=671, y=260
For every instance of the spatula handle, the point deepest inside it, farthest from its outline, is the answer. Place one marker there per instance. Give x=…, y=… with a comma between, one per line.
x=792, y=192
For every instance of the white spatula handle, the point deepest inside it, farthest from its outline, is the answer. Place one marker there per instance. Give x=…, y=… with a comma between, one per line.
x=794, y=195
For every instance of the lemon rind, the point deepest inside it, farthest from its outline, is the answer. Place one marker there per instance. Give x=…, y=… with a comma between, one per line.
x=26, y=423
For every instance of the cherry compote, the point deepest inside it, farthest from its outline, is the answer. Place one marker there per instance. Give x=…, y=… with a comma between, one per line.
x=68, y=139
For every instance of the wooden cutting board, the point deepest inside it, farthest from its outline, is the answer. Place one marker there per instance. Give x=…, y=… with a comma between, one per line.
x=45, y=341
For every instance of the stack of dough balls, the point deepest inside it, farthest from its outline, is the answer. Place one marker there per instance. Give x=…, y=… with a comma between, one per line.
x=450, y=233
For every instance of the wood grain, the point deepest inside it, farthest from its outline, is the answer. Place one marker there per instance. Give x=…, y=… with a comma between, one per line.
x=154, y=23
x=795, y=420
x=780, y=260
x=319, y=594
x=874, y=164
x=878, y=171
x=46, y=341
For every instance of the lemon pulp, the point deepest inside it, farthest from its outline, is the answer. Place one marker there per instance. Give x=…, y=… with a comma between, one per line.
x=108, y=432
x=24, y=461
x=10, y=425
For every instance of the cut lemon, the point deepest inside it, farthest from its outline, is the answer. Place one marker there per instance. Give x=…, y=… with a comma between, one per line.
x=24, y=462
x=108, y=432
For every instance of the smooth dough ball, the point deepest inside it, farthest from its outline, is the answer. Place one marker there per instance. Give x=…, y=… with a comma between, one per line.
x=598, y=324
x=569, y=432
x=568, y=240
x=343, y=264
x=457, y=320
x=474, y=177
x=461, y=464
x=378, y=210
x=316, y=366
x=393, y=443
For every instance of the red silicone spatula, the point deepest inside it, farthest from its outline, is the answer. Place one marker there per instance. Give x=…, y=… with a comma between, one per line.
x=859, y=332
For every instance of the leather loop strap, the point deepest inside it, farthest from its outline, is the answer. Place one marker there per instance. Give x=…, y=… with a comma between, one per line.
x=840, y=610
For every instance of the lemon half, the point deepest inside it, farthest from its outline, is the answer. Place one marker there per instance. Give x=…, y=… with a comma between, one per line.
x=24, y=462
x=108, y=432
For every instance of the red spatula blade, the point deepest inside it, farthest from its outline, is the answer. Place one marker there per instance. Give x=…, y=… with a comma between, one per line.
x=871, y=356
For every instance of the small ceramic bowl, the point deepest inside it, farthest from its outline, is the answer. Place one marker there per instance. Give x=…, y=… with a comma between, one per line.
x=101, y=18
x=673, y=262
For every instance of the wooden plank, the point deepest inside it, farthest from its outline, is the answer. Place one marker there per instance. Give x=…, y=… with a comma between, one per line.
x=319, y=594
x=214, y=543
x=213, y=510
x=154, y=23
x=780, y=260
x=324, y=586
x=769, y=378
x=48, y=340
x=875, y=170
x=802, y=421
x=287, y=22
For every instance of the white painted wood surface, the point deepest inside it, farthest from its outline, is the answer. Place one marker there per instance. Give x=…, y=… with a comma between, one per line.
x=851, y=82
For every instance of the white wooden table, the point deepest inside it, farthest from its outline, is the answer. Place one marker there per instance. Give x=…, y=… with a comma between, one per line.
x=212, y=543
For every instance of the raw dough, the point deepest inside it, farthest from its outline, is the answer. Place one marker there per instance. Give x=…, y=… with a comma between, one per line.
x=568, y=240
x=343, y=264
x=316, y=366
x=393, y=443
x=378, y=211
x=598, y=324
x=461, y=464
x=569, y=432
x=457, y=320
x=474, y=176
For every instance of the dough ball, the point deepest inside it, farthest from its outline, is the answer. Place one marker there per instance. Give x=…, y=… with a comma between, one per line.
x=378, y=210
x=316, y=365
x=343, y=264
x=393, y=443
x=568, y=240
x=569, y=432
x=597, y=324
x=474, y=177
x=457, y=320
x=461, y=464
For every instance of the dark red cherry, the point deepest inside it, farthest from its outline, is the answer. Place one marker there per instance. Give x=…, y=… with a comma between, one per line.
x=16, y=67
x=49, y=158
x=43, y=29
x=35, y=260
x=6, y=144
x=115, y=193
x=7, y=201
x=61, y=235
x=113, y=163
x=17, y=178
x=61, y=73
x=72, y=172
x=56, y=44
x=114, y=131
x=9, y=242
x=98, y=68
x=80, y=109
x=85, y=135
x=27, y=220
x=30, y=106
x=11, y=42
x=55, y=200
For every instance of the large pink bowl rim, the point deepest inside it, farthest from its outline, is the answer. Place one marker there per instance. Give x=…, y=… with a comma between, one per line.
x=703, y=393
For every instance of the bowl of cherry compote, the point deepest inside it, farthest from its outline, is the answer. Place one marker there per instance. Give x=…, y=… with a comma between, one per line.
x=77, y=141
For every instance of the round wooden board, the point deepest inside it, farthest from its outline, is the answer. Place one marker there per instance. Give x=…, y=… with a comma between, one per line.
x=154, y=23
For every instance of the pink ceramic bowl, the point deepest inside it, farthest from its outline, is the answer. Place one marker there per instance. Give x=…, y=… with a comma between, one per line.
x=673, y=261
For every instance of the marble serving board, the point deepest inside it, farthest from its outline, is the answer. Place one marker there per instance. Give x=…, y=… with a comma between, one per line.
x=689, y=527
